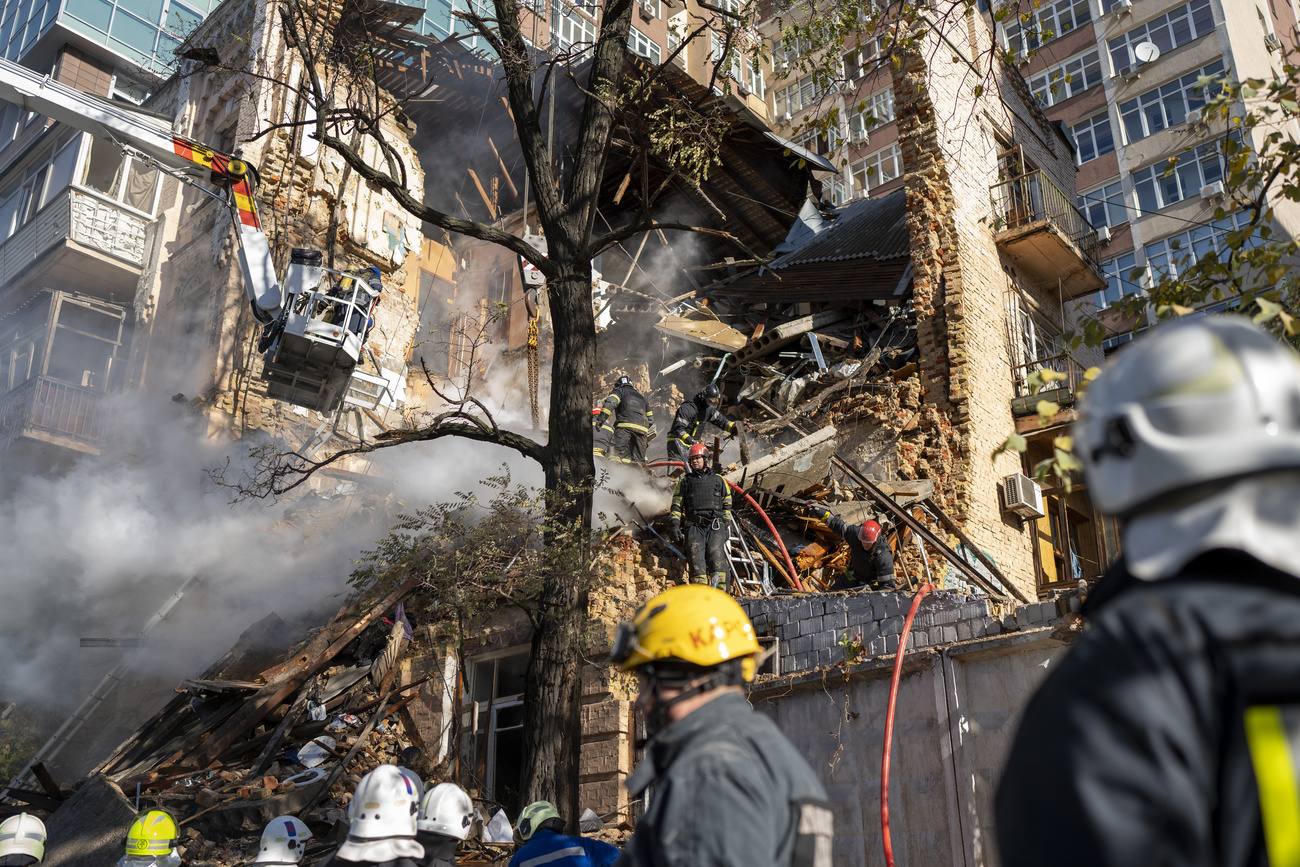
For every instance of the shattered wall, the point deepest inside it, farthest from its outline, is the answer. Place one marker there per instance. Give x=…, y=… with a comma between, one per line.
x=954, y=121
x=192, y=305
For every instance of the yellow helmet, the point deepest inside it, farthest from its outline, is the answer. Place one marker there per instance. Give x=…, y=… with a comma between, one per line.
x=691, y=623
x=153, y=833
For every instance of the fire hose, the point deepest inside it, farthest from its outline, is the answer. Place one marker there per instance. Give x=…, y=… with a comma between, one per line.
x=889, y=724
x=789, y=564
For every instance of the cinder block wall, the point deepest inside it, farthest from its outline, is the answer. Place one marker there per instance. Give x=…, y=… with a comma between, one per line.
x=811, y=627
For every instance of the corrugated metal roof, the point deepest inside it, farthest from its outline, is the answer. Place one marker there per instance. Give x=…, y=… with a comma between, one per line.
x=865, y=254
x=869, y=227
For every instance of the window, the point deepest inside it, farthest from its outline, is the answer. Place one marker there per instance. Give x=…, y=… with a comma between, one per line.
x=1045, y=24
x=1167, y=256
x=839, y=191
x=1176, y=27
x=819, y=141
x=120, y=178
x=796, y=97
x=1119, y=280
x=571, y=28
x=494, y=741
x=1068, y=79
x=1167, y=105
x=757, y=85
x=786, y=53
x=734, y=63
x=1093, y=138
x=1194, y=169
x=639, y=43
x=1104, y=205
x=675, y=41
x=857, y=63
x=877, y=168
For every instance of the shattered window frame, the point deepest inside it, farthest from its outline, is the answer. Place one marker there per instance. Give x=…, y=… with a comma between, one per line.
x=480, y=744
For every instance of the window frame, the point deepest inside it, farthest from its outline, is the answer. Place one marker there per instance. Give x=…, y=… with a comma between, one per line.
x=1089, y=126
x=1033, y=30
x=1162, y=30
x=1172, y=100
x=1158, y=184
x=1103, y=197
x=862, y=177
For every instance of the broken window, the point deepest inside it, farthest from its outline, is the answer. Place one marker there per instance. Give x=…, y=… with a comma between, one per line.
x=85, y=341
x=496, y=737
x=1035, y=344
x=121, y=178
x=23, y=341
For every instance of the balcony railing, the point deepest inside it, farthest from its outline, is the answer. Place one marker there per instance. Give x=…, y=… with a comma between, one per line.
x=50, y=406
x=1061, y=391
x=82, y=216
x=1032, y=198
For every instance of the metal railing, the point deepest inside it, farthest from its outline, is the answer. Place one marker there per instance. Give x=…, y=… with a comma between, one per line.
x=50, y=405
x=1031, y=198
x=1063, y=363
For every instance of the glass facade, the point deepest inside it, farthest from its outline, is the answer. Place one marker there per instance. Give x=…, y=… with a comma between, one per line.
x=146, y=32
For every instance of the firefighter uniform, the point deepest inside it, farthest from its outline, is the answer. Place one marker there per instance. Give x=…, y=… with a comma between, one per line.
x=702, y=501
x=1170, y=733
x=687, y=422
x=870, y=567
x=624, y=425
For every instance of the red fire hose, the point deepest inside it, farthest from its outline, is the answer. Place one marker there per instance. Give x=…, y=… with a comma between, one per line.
x=789, y=564
x=889, y=724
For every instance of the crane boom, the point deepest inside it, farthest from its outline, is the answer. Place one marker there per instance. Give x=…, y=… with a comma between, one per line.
x=150, y=135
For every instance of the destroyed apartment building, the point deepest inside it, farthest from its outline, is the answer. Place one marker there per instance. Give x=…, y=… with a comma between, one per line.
x=876, y=359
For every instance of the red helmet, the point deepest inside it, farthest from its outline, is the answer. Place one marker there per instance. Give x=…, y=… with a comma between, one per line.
x=699, y=450
x=868, y=533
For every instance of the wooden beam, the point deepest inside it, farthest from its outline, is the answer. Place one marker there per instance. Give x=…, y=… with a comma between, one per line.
x=505, y=173
x=483, y=193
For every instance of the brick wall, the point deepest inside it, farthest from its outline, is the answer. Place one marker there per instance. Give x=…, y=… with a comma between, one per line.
x=811, y=627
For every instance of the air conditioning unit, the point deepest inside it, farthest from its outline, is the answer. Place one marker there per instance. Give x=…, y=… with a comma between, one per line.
x=1212, y=191
x=1103, y=235
x=785, y=118
x=1129, y=73
x=860, y=137
x=1122, y=6
x=1194, y=116
x=1022, y=495
x=1271, y=42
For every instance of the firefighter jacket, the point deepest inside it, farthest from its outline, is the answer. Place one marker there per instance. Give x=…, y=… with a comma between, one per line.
x=729, y=791
x=561, y=850
x=689, y=418
x=868, y=565
x=1162, y=731
x=439, y=849
x=626, y=408
x=701, y=496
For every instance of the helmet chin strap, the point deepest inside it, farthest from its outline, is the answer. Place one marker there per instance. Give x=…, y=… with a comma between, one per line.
x=657, y=719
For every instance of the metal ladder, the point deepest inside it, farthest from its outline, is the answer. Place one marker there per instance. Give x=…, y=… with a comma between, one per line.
x=747, y=573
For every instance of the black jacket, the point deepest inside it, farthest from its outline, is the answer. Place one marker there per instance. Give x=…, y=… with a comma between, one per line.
x=1135, y=750
x=866, y=564
x=729, y=791
x=439, y=849
x=689, y=417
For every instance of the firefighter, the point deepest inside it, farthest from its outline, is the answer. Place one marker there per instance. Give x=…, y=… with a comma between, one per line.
x=283, y=841
x=624, y=426
x=729, y=789
x=871, y=563
x=697, y=411
x=541, y=830
x=1170, y=732
x=22, y=841
x=702, y=500
x=152, y=841
x=382, y=816
x=445, y=818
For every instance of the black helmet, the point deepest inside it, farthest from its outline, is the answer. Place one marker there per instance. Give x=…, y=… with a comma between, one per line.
x=709, y=395
x=622, y=381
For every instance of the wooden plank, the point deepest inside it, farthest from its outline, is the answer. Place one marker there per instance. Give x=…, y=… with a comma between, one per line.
x=46, y=779
x=257, y=707
x=487, y=200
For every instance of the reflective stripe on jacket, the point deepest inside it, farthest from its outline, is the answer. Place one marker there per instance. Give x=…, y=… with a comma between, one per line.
x=549, y=849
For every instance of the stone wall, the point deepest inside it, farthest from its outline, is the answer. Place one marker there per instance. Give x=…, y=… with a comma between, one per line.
x=810, y=628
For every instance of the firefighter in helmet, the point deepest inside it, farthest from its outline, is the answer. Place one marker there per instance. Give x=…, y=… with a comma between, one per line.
x=702, y=501
x=624, y=425
x=22, y=841
x=541, y=830
x=152, y=841
x=1170, y=732
x=730, y=789
x=871, y=563
x=699, y=410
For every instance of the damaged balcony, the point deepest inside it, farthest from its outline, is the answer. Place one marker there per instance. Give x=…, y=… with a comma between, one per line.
x=1063, y=392
x=1045, y=236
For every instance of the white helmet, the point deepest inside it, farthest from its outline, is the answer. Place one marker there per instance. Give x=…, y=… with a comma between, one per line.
x=283, y=841
x=416, y=782
x=382, y=812
x=22, y=835
x=447, y=810
x=1194, y=402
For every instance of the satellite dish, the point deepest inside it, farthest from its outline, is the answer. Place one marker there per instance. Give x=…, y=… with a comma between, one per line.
x=1146, y=52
